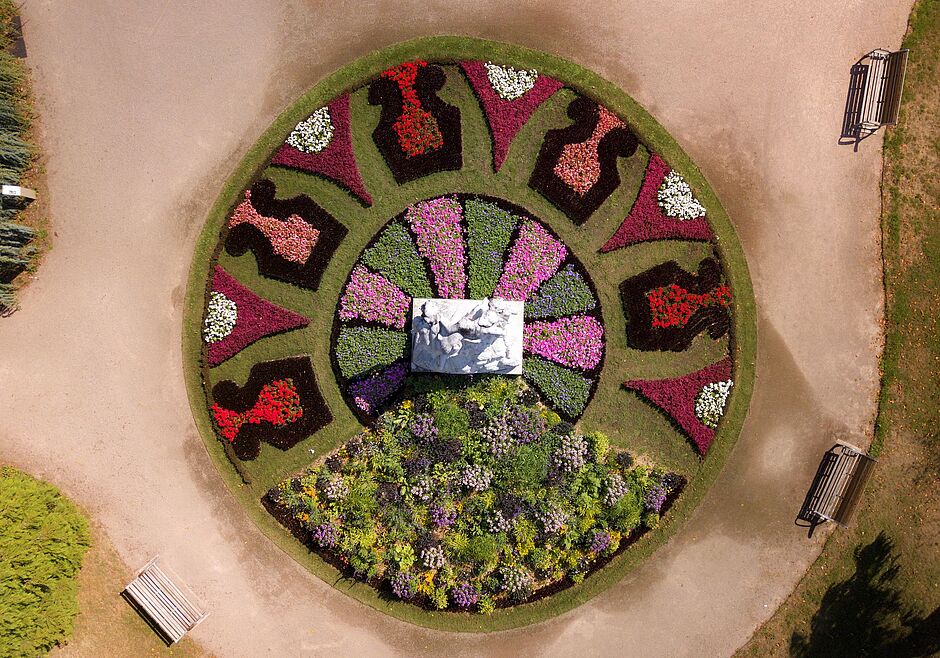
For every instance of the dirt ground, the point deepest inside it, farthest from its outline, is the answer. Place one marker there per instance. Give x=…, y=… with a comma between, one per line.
x=148, y=106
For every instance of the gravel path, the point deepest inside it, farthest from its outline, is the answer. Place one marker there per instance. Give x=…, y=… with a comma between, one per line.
x=146, y=110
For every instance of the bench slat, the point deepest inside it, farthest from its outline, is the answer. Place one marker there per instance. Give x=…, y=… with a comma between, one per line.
x=168, y=603
x=163, y=602
x=155, y=612
x=178, y=595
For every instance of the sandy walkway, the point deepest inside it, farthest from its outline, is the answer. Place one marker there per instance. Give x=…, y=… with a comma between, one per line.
x=147, y=109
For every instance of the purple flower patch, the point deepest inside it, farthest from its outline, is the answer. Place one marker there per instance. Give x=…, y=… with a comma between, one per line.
x=576, y=341
x=371, y=393
x=436, y=225
x=676, y=398
x=534, y=258
x=646, y=220
x=336, y=162
x=256, y=318
x=506, y=117
x=373, y=298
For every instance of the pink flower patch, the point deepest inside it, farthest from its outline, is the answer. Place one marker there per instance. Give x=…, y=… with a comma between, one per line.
x=646, y=220
x=373, y=298
x=535, y=257
x=676, y=398
x=293, y=239
x=579, y=165
x=577, y=341
x=436, y=225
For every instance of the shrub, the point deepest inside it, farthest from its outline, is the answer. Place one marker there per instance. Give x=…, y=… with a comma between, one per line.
x=43, y=538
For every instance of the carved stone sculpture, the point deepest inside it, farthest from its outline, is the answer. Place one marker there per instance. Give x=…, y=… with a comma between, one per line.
x=467, y=336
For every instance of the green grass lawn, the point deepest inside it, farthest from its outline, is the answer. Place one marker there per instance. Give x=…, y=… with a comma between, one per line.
x=649, y=434
x=875, y=589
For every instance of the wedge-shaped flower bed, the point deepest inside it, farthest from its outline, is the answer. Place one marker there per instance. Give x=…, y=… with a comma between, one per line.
x=472, y=500
x=509, y=97
x=693, y=402
x=321, y=144
x=236, y=317
x=280, y=404
x=664, y=210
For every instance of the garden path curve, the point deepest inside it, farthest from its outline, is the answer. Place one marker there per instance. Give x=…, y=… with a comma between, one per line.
x=146, y=110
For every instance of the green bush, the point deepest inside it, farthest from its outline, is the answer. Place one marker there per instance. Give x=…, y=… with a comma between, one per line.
x=43, y=538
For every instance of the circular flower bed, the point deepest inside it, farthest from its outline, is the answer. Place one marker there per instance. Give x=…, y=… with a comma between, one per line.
x=462, y=170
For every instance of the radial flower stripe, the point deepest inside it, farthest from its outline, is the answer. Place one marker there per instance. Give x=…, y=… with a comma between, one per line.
x=394, y=255
x=373, y=298
x=363, y=349
x=577, y=342
x=566, y=293
x=535, y=257
x=489, y=230
x=436, y=225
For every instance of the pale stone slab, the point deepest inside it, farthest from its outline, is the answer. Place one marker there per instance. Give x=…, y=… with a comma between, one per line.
x=467, y=336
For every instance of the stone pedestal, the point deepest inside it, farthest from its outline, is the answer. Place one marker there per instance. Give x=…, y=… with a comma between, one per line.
x=467, y=336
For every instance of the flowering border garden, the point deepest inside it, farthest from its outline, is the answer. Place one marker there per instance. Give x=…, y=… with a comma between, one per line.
x=255, y=478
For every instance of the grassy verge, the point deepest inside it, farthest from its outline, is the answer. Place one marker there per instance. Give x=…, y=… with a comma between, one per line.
x=875, y=589
x=106, y=625
x=654, y=436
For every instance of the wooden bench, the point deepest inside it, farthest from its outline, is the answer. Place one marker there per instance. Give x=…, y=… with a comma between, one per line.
x=838, y=486
x=880, y=89
x=163, y=603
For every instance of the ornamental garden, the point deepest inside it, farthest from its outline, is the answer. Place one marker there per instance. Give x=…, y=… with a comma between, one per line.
x=458, y=169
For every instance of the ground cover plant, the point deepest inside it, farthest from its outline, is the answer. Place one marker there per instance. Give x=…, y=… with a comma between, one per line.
x=473, y=498
x=444, y=136
x=43, y=538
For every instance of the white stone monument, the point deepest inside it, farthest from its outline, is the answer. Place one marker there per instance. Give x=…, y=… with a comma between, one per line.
x=466, y=336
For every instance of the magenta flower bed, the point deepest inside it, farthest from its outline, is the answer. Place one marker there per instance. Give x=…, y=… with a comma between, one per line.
x=676, y=398
x=504, y=117
x=577, y=342
x=336, y=162
x=370, y=393
x=257, y=318
x=436, y=225
x=535, y=257
x=373, y=298
x=646, y=220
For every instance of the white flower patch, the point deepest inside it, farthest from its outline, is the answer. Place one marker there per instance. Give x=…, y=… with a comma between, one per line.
x=676, y=200
x=710, y=402
x=314, y=133
x=508, y=82
x=221, y=315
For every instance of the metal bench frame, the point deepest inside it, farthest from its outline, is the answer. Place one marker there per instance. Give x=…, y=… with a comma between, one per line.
x=839, y=484
x=163, y=603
